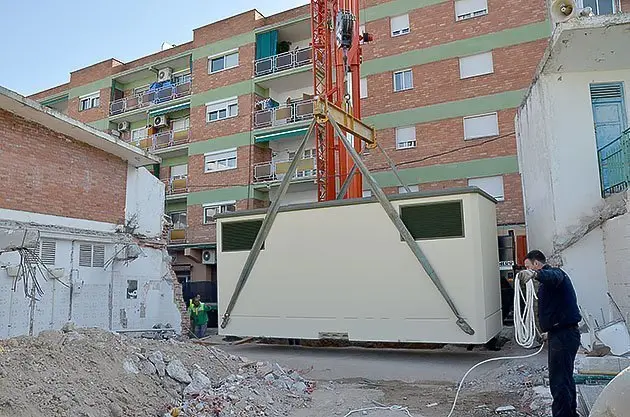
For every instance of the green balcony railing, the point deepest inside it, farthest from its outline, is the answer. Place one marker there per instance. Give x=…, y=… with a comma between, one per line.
x=614, y=165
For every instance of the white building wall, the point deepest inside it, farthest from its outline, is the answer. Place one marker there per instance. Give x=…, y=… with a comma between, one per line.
x=561, y=185
x=144, y=203
x=617, y=249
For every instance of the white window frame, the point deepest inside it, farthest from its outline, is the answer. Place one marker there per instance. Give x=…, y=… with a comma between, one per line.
x=405, y=144
x=471, y=14
x=361, y=32
x=182, y=73
x=138, y=139
x=496, y=197
x=223, y=55
x=403, y=30
x=363, y=87
x=222, y=208
x=221, y=105
x=179, y=212
x=404, y=87
x=185, y=120
x=496, y=133
x=462, y=62
x=216, y=157
x=184, y=175
x=413, y=188
x=92, y=101
x=580, y=3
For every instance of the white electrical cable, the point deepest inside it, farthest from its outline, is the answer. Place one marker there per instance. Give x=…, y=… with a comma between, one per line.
x=524, y=322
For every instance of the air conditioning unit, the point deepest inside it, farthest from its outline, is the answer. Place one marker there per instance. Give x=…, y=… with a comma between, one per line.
x=209, y=257
x=123, y=126
x=160, y=121
x=165, y=74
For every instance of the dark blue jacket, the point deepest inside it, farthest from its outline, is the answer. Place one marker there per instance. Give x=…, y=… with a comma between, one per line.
x=557, y=302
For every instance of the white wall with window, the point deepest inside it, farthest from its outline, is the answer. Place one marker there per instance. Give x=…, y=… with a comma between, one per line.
x=363, y=87
x=222, y=61
x=481, y=126
x=412, y=188
x=222, y=109
x=220, y=160
x=90, y=101
x=403, y=80
x=212, y=209
x=399, y=25
x=405, y=137
x=475, y=65
x=467, y=9
x=491, y=185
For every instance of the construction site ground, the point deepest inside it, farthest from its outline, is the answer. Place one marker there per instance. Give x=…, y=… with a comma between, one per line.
x=95, y=373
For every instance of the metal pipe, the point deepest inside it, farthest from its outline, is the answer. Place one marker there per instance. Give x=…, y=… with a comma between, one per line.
x=265, y=227
x=392, y=166
x=347, y=183
x=392, y=213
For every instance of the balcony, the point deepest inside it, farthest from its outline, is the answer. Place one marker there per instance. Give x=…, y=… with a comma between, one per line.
x=150, y=98
x=163, y=140
x=272, y=114
x=176, y=186
x=282, y=62
x=614, y=165
x=275, y=170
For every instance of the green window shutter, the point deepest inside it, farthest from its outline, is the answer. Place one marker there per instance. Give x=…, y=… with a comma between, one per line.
x=434, y=221
x=239, y=236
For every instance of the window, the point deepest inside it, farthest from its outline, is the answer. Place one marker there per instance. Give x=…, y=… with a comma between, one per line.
x=210, y=211
x=304, y=173
x=179, y=220
x=434, y=221
x=220, y=110
x=600, y=6
x=223, y=62
x=91, y=255
x=491, y=185
x=181, y=78
x=481, y=126
x=363, y=88
x=90, y=101
x=412, y=188
x=361, y=32
x=474, y=65
x=181, y=124
x=367, y=193
x=239, y=236
x=220, y=161
x=400, y=25
x=405, y=137
x=48, y=251
x=403, y=80
x=179, y=171
x=467, y=9
x=138, y=134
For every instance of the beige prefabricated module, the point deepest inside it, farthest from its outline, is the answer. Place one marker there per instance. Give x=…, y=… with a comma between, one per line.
x=341, y=269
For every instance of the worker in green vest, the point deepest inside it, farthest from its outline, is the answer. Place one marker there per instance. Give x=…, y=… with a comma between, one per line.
x=199, y=317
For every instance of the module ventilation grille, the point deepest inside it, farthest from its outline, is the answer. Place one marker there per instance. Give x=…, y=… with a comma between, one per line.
x=606, y=91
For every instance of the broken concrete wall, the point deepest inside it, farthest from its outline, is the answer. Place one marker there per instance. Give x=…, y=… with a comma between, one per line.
x=97, y=289
x=617, y=249
x=144, y=206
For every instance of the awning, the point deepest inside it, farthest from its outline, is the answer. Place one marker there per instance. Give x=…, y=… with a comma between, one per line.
x=170, y=109
x=281, y=135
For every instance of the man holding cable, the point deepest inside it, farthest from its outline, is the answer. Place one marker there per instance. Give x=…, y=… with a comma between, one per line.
x=558, y=316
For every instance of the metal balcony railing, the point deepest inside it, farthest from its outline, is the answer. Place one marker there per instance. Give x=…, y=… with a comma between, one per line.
x=163, y=140
x=284, y=114
x=276, y=170
x=176, y=185
x=282, y=62
x=614, y=165
x=150, y=98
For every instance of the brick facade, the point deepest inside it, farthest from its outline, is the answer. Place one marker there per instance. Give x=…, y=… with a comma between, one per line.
x=75, y=181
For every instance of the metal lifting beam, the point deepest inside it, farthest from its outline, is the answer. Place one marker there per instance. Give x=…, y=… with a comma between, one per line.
x=349, y=123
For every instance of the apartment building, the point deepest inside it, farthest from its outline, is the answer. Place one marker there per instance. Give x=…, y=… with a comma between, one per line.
x=440, y=81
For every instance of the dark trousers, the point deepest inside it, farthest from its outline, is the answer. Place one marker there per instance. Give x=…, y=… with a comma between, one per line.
x=563, y=346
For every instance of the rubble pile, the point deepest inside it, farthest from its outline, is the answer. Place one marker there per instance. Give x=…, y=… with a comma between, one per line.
x=94, y=373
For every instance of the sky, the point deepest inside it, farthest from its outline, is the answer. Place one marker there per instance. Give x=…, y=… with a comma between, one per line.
x=43, y=41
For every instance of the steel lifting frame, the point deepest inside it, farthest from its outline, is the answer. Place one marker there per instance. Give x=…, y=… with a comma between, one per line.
x=324, y=116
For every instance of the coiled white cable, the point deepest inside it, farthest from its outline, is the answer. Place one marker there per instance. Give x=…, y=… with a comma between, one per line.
x=524, y=321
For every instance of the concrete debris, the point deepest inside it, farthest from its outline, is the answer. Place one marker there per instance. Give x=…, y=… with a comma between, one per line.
x=176, y=370
x=104, y=374
x=505, y=409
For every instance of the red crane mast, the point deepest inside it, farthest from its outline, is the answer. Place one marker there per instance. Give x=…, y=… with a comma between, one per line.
x=336, y=79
